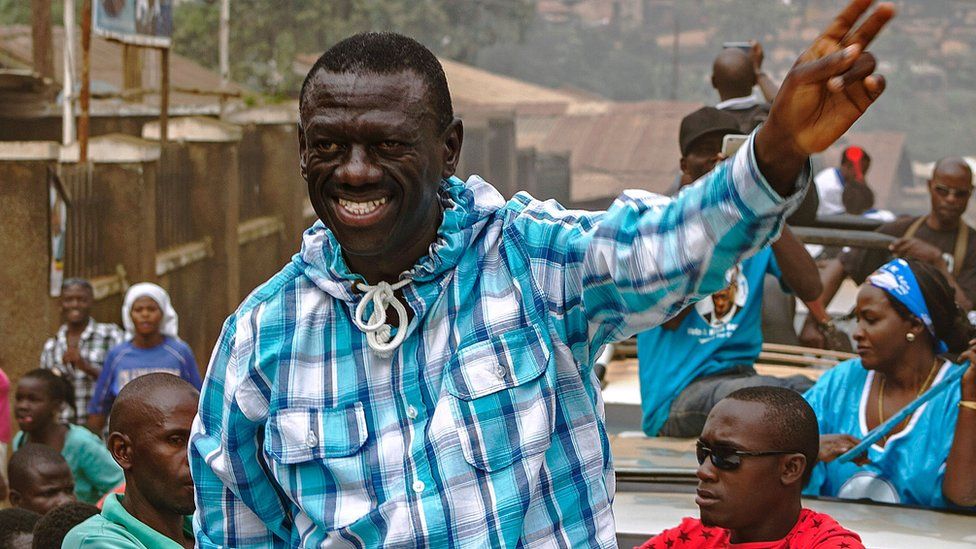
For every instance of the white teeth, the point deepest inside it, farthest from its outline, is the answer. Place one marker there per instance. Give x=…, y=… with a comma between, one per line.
x=361, y=208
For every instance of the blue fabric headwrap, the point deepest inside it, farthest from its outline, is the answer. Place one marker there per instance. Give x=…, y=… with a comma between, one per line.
x=897, y=279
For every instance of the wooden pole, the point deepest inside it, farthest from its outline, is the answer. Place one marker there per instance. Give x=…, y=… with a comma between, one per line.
x=224, y=43
x=68, y=133
x=132, y=69
x=83, y=121
x=675, y=48
x=224, y=50
x=42, y=43
x=164, y=97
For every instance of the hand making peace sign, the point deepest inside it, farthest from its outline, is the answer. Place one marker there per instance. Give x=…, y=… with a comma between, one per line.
x=829, y=87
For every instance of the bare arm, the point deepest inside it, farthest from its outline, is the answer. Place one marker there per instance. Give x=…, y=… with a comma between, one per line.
x=799, y=269
x=831, y=277
x=959, y=484
x=766, y=85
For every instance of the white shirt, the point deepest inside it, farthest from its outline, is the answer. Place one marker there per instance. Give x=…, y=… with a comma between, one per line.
x=830, y=189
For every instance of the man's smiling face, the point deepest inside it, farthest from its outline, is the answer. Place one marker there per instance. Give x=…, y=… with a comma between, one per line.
x=373, y=158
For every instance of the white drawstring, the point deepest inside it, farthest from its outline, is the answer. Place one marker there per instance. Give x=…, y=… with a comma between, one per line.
x=376, y=329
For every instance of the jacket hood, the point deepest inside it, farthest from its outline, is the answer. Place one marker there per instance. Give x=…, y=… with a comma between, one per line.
x=468, y=206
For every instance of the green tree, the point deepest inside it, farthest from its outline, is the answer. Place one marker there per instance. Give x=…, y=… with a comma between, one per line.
x=266, y=36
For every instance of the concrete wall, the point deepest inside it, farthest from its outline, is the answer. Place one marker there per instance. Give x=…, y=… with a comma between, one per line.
x=25, y=308
x=231, y=254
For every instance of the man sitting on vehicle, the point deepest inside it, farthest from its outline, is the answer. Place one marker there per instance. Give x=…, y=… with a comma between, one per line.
x=708, y=350
x=940, y=238
x=757, y=450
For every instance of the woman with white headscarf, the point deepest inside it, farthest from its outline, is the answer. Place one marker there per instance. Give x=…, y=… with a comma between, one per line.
x=152, y=345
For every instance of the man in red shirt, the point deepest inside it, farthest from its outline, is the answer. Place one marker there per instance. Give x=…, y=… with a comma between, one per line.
x=757, y=450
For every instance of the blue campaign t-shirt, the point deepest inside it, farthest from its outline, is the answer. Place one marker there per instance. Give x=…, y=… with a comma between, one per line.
x=126, y=362
x=910, y=467
x=721, y=332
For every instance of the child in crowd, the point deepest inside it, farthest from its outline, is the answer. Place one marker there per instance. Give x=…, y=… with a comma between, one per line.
x=152, y=345
x=40, y=396
x=40, y=479
x=50, y=530
x=17, y=528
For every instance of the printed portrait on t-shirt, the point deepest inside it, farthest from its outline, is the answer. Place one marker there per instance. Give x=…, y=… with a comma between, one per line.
x=720, y=308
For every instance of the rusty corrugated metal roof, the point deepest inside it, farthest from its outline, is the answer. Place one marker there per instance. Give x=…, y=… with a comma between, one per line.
x=629, y=146
x=106, y=65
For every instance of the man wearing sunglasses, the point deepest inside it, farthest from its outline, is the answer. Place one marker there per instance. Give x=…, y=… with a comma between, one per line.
x=940, y=238
x=758, y=449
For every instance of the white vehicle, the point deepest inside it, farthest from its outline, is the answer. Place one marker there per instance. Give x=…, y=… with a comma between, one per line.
x=656, y=488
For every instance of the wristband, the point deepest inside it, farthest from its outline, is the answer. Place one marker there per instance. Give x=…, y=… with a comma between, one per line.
x=971, y=404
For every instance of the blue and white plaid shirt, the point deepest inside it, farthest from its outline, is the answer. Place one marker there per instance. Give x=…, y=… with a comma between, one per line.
x=485, y=428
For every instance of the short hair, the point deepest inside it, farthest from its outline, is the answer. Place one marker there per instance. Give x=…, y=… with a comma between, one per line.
x=59, y=387
x=790, y=418
x=14, y=522
x=139, y=391
x=81, y=282
x=29, y=457
x=951, y=164
x=387, y=53
x=51, y=529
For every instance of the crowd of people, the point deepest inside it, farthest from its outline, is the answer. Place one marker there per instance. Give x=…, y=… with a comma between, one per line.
x=68, y=464
x=422, y=372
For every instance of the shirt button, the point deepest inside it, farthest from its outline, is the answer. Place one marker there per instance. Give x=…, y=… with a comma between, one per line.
x=500, y=371
x=311, y=439
x=411, y=412
x=418, y=486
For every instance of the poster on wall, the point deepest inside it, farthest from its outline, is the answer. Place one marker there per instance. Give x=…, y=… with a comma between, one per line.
x=140, y=22
x=58, y=230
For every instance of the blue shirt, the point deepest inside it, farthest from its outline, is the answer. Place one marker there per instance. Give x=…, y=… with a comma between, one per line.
x=910, y=467
x=126, y=362
x=485, y=427
x=707, y=342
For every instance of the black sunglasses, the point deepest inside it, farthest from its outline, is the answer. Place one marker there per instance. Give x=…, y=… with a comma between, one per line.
x=945, y=191
x=728, y=459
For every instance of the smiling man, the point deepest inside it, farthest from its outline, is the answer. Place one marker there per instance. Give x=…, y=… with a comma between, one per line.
x=79, y=348
x=755, y=454
x=421, y=373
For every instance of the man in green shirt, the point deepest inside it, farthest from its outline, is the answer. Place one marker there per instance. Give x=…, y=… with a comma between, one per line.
x=150, y=425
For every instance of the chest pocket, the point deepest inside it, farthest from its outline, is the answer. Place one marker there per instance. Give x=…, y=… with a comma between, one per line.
x=304, y=433
x=502, y=404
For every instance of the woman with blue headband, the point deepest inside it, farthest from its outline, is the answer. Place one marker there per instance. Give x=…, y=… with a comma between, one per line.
x=906, y=319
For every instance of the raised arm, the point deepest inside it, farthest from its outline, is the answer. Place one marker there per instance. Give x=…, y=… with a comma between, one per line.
x=799, y=269
x=237, y=506
x=608, y=276
x=829, y=87
x=766, y=85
